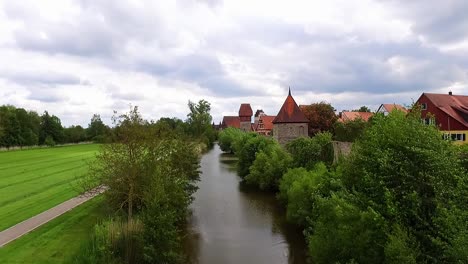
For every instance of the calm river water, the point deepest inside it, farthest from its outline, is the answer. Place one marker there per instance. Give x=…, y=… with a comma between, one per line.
x=232, y=224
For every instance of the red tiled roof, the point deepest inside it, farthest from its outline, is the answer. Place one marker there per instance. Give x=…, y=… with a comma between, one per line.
x=350, y=116
x=231, y=121
x=290, y=112
x=245, y=110
x=455, y=106
x=391, y=107
x=267, y=122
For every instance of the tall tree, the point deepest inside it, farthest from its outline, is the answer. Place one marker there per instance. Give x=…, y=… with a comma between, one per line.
x=96, y=130
x=199, y=121
x=51, y=127
x=321, y=117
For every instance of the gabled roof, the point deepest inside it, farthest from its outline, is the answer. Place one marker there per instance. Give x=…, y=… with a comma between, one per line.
x=231, y=121
x=267, y=122
x=390, y=107
x=290, y=112
x=455, y=106
x=350, y=116
x=245, y=110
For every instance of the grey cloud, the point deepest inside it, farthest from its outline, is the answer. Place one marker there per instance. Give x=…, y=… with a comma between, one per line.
x=43, y=78
x=117, y=93
x=45, y=96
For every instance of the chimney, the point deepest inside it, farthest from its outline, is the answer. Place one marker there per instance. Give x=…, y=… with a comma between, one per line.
x=450, y=93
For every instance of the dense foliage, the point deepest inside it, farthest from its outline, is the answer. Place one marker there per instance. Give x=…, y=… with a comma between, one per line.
x=150, y=170
x=306, y=152
x=321, y=117
x=349, y=131
x=19, y=128
x=400, y=197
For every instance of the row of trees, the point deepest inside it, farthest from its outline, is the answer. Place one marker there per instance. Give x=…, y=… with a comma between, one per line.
x=150, y=170
x=19, y=127
x=400, y=197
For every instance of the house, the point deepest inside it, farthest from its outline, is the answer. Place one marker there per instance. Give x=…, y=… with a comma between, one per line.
x=264, y=125
x=448, y=112
x=230, y=121
x=345, y=116
x=387, y=108
x=245, y=117
x=290, y=122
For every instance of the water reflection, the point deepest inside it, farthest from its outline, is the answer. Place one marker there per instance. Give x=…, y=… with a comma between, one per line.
x=233, y=223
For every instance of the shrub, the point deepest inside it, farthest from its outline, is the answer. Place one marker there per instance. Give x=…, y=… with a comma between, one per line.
x=248, y=151
x=269, y=166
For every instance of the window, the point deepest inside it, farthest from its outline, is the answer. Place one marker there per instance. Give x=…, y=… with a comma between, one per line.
x=454, y=136
x=424, y=106
x=428, y=121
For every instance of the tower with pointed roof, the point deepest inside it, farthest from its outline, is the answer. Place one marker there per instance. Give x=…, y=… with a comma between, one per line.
x=245, y=117
x=290, y=122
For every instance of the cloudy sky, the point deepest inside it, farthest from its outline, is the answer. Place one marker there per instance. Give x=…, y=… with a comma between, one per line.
x=76, y=58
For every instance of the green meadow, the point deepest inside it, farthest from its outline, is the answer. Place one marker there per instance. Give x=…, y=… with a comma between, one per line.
x=32, y=181
x=59, y=240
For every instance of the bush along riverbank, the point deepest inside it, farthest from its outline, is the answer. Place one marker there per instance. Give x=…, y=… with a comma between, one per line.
x=151, y=172
x=400, y=197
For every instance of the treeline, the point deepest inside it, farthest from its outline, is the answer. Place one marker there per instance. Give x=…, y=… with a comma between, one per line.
x=19, y=128
x=150, y=170
x=400, y=197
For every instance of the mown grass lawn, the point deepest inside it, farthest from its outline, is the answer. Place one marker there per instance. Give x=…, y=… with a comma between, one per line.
x=58, y=240
x=32, y=181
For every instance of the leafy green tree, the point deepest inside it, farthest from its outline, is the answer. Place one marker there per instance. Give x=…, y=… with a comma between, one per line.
x=268, y=167
x=344, y=233
x=74, y=134
x=349, y=131
x=97, y=130
x=228, y=137
x=51, y=126
x=306, y=152
x=247, y=153
x=199, y=121
x=300, y=189
x=409, y=175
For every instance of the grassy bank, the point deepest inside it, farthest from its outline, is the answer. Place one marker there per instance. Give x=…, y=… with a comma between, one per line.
x=58, y=240
x=32, y=181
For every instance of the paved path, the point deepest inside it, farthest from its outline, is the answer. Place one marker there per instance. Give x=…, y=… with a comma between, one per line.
x=34, y=222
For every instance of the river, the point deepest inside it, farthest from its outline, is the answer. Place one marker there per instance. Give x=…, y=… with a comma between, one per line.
x=232, y=223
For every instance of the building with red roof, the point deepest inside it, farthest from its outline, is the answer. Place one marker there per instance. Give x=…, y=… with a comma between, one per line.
x=346, y=116
x=290, y=122
x=245, y=117
x=387, y=108
x=448, y=112
x=264, y=125
x=230, y=121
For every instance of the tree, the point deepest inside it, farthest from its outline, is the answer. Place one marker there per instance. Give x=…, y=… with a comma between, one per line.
x=306, y=152
x=96, y=130
x=199, y=121
x=228, y=137
x=248, y=151
x=409, y=175
x=349, y=131
x=321, y=117
x=268, y=167
x=50, y=127
x=362, y=109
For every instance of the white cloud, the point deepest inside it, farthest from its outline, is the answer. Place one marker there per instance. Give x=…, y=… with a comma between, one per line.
x=76, y=58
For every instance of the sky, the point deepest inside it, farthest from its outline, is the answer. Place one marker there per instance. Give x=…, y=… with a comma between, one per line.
x=75, y=58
